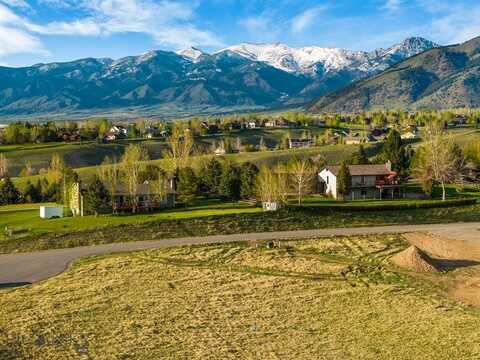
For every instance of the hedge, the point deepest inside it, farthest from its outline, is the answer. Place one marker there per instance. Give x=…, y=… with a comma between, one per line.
x=390, y=205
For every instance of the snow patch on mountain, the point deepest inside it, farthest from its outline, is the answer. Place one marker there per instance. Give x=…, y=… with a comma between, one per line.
x=308, y=60
x=191, y=53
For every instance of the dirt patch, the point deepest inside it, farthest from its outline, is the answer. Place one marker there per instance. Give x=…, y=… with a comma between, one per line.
x=461, y=260
x=466, y=287
x=416, y=260
x=444, y=248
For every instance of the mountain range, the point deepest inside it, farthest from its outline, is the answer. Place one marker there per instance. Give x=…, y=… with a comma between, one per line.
x=444, y=77
x=264, y=75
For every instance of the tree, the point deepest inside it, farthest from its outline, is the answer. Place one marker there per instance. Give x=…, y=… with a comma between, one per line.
x=160, y=186
x=3, y=166
x=8, y=192
x=56, y=169
x=109, y=174
x=271, y=184
x=248, y=174
x=180, y=147
x=229, y=187
x=344, y=181
x=187, y=185
x=96, y=196
x=211, y=175
x=132, y=164
x=359, y=158
x=437, y=162
x=302, y=174
x=27, y=170
x=267, y=185
x=400, y=156
x=32, y=193
x=392, y=146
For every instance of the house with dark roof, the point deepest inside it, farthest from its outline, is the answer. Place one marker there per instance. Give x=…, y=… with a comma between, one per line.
x=147, y=197
x=368, y=182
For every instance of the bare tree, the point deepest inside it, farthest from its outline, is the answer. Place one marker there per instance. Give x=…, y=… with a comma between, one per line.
x=302, y=174
x=180, y=147
x=3, y=166
x=272, y=184
x=132, y=164
x=109, y=173
x=438, y=163
x=267, y=186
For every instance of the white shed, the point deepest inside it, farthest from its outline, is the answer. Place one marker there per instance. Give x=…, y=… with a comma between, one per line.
x=48, y=212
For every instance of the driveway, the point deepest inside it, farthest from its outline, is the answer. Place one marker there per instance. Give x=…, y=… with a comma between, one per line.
x=26, y=268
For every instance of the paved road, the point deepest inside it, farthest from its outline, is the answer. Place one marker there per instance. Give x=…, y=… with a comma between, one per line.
x=26, y=268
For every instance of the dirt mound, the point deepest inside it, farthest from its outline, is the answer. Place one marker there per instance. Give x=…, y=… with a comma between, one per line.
x=445, y=248
x=415, y=259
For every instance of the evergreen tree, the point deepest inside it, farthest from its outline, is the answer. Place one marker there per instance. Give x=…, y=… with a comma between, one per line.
x=96, y=197
x=398, y=154
x=230, y=182
x=187, y=185
x=344, y=181
x=32, y=193
x=8, y=192
x=392, y=147
x=248, y=174
x=210, y=177
x=359, y=158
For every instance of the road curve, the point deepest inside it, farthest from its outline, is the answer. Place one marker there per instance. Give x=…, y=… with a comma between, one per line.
x=26, y=268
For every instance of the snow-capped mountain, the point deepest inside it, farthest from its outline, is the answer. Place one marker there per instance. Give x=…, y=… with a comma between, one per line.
x=243, y=75
x=312, y=59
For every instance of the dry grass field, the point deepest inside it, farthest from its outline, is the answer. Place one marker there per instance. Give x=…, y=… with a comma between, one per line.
x=337, y=298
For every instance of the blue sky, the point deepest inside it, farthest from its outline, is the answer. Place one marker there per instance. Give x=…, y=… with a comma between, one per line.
x=33, y=31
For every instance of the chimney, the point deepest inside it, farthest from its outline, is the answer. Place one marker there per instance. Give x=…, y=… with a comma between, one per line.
x=389, y=165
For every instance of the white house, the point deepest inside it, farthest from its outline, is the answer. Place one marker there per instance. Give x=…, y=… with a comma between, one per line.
x=410, y=135
x=368, y=182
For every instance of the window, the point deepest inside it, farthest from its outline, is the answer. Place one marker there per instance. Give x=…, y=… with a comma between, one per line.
x=362, y=180
x=328, y=178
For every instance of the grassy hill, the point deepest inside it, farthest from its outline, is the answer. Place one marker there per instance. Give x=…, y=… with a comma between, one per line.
x=85, y=154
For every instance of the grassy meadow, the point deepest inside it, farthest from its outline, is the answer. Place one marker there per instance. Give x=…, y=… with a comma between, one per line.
x=333, y=298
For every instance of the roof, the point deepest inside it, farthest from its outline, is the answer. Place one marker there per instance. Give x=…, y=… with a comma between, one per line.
x=362, y=170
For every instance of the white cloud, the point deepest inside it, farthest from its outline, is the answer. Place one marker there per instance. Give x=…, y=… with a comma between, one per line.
x=169, y=23
x=16, y=41
x=305, y=19
x=254, y=23
x=452, y=23
x=16, y=3
x=392, y=5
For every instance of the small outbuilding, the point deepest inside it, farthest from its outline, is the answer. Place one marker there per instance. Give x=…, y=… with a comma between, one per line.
x=49, y=212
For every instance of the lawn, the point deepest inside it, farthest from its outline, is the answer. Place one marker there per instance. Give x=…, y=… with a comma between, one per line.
x=336, y=298
x=30, y=233
x=24, y=219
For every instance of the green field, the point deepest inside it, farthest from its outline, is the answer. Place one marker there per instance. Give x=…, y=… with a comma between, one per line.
x=27, y=232
x=333, y=298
